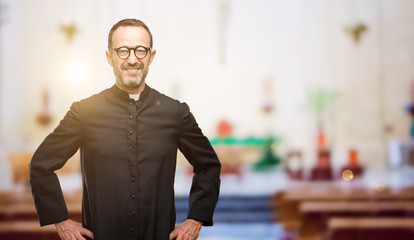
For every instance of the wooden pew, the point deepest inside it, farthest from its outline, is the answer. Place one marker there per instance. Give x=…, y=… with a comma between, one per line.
x=27, y=230
x=14, y=197
x=19, y=220
x=287, y=202
x=356, y=206
x=27, y=211
x=334, y=193
x=314, y=215
x=340, y=228
x=20, y=206
x=286, y=212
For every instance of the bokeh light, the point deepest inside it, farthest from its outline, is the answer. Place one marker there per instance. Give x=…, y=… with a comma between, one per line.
x=347, y=175
x=75, y=71
x=377, y=186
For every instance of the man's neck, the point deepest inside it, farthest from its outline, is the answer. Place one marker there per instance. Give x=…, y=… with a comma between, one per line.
x=138, y=90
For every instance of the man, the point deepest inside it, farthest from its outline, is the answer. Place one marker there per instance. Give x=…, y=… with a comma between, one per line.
x=128, y=137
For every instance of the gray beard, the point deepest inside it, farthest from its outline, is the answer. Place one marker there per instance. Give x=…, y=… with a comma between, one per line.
x=124, y=83
x=131, y=85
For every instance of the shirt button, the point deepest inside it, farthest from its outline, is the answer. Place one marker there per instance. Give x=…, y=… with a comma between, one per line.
x=133, y=213
x=133, y=196
x=132, y=229
x=131, y=132
x=130, y=103
x=131, y=148
x=130, y=117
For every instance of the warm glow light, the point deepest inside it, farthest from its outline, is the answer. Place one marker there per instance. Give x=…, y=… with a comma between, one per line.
x=75, y=71
x=377, y=187
x=347, y=175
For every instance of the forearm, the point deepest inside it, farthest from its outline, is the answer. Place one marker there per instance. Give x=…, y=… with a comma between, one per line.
x=51, y=155
x=204, y=195
x=49, y=200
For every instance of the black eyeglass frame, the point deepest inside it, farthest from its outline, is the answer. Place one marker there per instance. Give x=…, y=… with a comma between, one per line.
x=129, y=51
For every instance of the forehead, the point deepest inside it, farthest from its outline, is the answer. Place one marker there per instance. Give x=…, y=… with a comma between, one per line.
x=130, y=36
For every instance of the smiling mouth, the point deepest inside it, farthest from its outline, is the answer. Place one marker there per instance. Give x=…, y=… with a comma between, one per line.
x=132, y=70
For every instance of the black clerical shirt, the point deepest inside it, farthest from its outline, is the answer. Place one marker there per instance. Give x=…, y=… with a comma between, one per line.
x=128, y=159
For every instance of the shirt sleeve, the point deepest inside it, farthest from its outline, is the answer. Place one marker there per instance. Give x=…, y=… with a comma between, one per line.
x=206, y=180
x=51, y=155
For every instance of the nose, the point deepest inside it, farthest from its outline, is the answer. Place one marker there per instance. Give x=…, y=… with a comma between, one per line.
x=132, y=59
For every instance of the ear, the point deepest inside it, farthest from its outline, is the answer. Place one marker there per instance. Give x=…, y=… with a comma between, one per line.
x=153, y=52
x=109, y=58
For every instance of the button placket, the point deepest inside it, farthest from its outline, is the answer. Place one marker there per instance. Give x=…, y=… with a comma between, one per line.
x=132, y=162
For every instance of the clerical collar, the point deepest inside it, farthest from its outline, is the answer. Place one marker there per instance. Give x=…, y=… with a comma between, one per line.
x=124, y=95
x=134, y=96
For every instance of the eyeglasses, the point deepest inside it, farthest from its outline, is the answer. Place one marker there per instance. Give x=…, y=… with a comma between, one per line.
x=123, y=52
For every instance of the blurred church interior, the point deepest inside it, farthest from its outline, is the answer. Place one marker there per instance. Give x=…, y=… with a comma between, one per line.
x=308, y=104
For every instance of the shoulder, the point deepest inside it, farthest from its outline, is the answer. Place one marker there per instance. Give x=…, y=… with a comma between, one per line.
x=167, y=100
x=162, y=97
x=95, y=98
x=169, y=104
x=91, y=102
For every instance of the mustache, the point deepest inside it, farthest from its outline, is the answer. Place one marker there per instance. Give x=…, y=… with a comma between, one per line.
x=137, y=65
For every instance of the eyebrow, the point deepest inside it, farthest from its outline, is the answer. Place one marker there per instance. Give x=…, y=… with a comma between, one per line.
x=131, y=47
